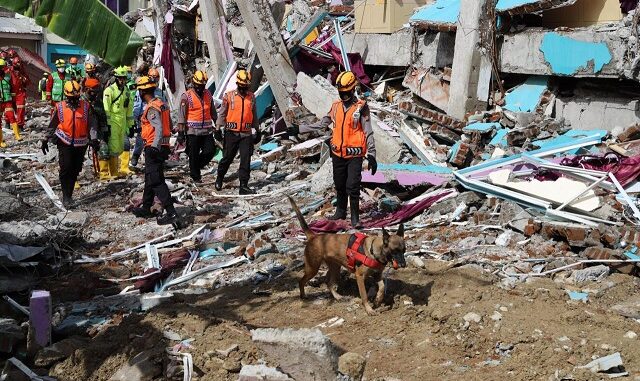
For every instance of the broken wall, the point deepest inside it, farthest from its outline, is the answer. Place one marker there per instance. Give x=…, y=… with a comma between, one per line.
x=583, y=13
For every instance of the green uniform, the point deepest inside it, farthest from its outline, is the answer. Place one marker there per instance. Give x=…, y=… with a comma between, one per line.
x=57, y=93
x=119, y=109
x=5, y=91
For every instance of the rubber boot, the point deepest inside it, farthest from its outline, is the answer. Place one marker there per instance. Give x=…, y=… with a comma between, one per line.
x=143, y=212
x=113, y=167
x=170, y=216
x=219, y=183
x=16, y=131
x=341, y=210
x=354, y=203
x=134, y=160
x=2, y=143
x=244, y=189
x=124, y=163
x=104, y=173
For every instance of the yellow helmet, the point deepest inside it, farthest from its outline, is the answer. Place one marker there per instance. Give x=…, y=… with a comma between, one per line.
x=200, y=78
x=120, y=71
x=346, y=81
x=89, y=67
x=3, y=63
x=243, y=78
x=145, y=82
x=60, y=63
x=71, y=89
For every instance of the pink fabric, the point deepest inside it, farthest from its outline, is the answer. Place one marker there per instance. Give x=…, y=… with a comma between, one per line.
x=405, y=213
x=357, y=65
x=625, y=169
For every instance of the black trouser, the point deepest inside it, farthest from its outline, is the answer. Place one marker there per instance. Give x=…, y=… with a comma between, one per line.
x=70, y=159
x=200, y=149
x=233, y=143
x=347, y=176
x=154, y=184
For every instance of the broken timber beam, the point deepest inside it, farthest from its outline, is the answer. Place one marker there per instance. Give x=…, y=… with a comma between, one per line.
x=273, y=54
x=212, y=17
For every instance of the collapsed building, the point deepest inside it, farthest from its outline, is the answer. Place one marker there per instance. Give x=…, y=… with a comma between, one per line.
x=507, y=136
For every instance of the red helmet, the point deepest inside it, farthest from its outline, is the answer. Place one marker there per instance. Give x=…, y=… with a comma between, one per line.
x=73, y=60
x=12, y=53
x=16, y=61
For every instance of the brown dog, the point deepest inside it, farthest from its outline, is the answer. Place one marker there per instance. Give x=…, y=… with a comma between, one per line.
x=331, y=249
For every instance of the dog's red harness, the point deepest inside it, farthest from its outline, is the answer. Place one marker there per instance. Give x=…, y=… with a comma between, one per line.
x=355, y=254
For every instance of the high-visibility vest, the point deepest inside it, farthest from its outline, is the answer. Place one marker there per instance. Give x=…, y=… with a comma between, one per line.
x=199, y=113
x=148, y=132
x=5, y=90
x=239, y=111
x=57, y=92
x=73, y=126
x=349, y=139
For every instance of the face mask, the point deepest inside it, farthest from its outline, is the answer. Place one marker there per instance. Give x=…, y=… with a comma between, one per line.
x=61, y=70
x=199, y=89
x=243, y=90
x=346, y=95
x=92, y=95
x=73, y=102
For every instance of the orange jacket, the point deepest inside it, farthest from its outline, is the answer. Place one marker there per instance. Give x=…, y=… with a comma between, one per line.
x=199, y=113
x=239, y=112
x=349, y=139
x=148, y=131
x=73, y=126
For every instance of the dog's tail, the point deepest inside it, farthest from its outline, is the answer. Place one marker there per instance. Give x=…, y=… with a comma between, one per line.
x=303, y=224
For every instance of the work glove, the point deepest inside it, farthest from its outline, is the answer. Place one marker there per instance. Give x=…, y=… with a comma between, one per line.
x=182, y=137
x=217, y=135
x=257, y=137
x=373, y=164
x=294, y=130
x=44, y=146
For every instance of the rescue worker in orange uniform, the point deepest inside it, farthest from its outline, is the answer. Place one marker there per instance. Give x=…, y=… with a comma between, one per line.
x=19, y=83
x=351, y=141
x=155, y=131
x=6, y=103
x=73, y=126
x=239, y=118
x=195, y=120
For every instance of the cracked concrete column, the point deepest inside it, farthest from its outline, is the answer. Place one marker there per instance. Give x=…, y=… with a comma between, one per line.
x=272, y=52
x=469, y=80
x=212, y=12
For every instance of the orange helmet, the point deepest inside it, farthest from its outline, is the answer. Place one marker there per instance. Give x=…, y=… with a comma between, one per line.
x=89, y=67
x=73, y=60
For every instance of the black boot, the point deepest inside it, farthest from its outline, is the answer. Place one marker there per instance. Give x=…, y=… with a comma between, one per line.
x=341, y=209
x=355, y=212
x=219, y=181
x=134, y=160
x=142, y=212
x=67, y=202
x=170, y=216
x=244, y=189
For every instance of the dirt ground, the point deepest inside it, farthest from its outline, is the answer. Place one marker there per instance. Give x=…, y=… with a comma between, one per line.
x=532, y=332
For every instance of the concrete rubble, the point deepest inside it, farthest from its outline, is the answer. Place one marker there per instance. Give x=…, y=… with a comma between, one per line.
x=521, y=134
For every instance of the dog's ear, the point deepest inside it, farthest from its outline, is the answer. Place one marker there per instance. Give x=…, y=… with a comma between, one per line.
x=385, y=237
x=401, y=230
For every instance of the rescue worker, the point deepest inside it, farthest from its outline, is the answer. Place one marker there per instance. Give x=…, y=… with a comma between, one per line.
x=73, y=71
x=90, y=72
x=11, y=54
x=72, y=128
x=239, y=117
x=351, y=141
x=42, y=86
x=156, y=131
x=93, y=95
x=55, y=83
x=19, y=83
x=195, y=120
x=138, y=107
x=6, y=102
x=118, y=107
